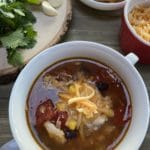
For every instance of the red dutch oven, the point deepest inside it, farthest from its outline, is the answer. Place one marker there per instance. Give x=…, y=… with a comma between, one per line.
x=130, y=41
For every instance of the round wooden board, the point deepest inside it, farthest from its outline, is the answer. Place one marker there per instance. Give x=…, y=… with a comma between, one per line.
x=50, y=30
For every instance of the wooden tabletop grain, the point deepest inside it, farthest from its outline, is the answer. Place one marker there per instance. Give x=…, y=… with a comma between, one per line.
x=87, y=24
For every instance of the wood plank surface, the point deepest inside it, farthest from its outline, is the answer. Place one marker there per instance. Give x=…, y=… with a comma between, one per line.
x=87, y=24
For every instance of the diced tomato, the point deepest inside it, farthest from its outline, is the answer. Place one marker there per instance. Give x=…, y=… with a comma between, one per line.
x=44, y=112
x=61, y=116
x=47, y=112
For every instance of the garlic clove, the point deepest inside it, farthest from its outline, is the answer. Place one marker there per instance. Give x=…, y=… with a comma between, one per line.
x=48, y=9
x=56, y=3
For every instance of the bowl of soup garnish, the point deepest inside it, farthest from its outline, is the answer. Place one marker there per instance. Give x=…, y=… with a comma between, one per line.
x=79, y=96
x=104, y=4
x=135, y=29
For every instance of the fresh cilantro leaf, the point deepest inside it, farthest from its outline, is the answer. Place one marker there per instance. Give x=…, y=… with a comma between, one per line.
x=21, y=38
x=30, y=36
x=29, y=31
x=20, y=18
x=16, y=28
x=14, y=40
x=14, y=57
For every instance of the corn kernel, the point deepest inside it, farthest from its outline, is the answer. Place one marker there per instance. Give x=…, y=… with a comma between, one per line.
x=71, y=124
x=72, y=89
x=61, y=106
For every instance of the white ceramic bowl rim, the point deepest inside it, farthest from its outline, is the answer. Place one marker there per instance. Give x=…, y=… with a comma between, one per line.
x=106, y=4
x=126, y=12
x=18, y=132
x=103, y=5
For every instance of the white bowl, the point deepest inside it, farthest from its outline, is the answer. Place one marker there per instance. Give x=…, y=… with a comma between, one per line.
x=124, y=66
x=103, y=6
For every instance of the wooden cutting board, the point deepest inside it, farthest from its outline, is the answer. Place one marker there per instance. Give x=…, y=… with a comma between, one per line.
x=50, y=30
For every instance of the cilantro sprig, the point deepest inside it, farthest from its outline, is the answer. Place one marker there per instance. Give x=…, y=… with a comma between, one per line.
x=16, y=28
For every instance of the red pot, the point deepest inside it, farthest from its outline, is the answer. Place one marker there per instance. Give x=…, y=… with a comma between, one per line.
x=130, y=41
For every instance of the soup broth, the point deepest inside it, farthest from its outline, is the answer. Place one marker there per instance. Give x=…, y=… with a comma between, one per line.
x=84, y=101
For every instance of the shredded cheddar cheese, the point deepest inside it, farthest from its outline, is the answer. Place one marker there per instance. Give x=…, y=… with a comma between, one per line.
x=139, y=18
x=83, y=103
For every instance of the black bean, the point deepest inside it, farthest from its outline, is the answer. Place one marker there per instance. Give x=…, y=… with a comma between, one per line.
x=102, y=86
x=70, y=134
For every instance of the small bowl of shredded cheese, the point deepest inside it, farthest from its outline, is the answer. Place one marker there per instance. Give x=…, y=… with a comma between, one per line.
x=139, y=18
x=135, y=29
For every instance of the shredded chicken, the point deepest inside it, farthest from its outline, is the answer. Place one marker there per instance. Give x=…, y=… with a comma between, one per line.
x=54, y=132
x=97, y=123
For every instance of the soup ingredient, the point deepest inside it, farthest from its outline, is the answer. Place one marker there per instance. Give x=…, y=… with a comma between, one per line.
x=89, y=104
x=16, y=29
x=71, y=124
x=102, y=86
x=52, y=119
x=97, y=123
x=61, y=118
x=48, y=9
x=139, y=18
x=61, y=106
x=45, y=112
x=54, y=132
x=83, y=100
x=80, y=97
x=70, y=134
x=56, y=3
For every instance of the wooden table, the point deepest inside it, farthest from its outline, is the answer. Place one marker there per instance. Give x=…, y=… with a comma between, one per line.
x=87, y=24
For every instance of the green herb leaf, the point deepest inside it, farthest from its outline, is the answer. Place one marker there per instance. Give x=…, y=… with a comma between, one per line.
x=16, y=28
x=15, y=15
x=14, y=57
x=30, y=36
x=14, y=40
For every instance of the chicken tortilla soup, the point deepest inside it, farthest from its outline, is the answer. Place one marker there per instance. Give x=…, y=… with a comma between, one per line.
x=78, y=104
